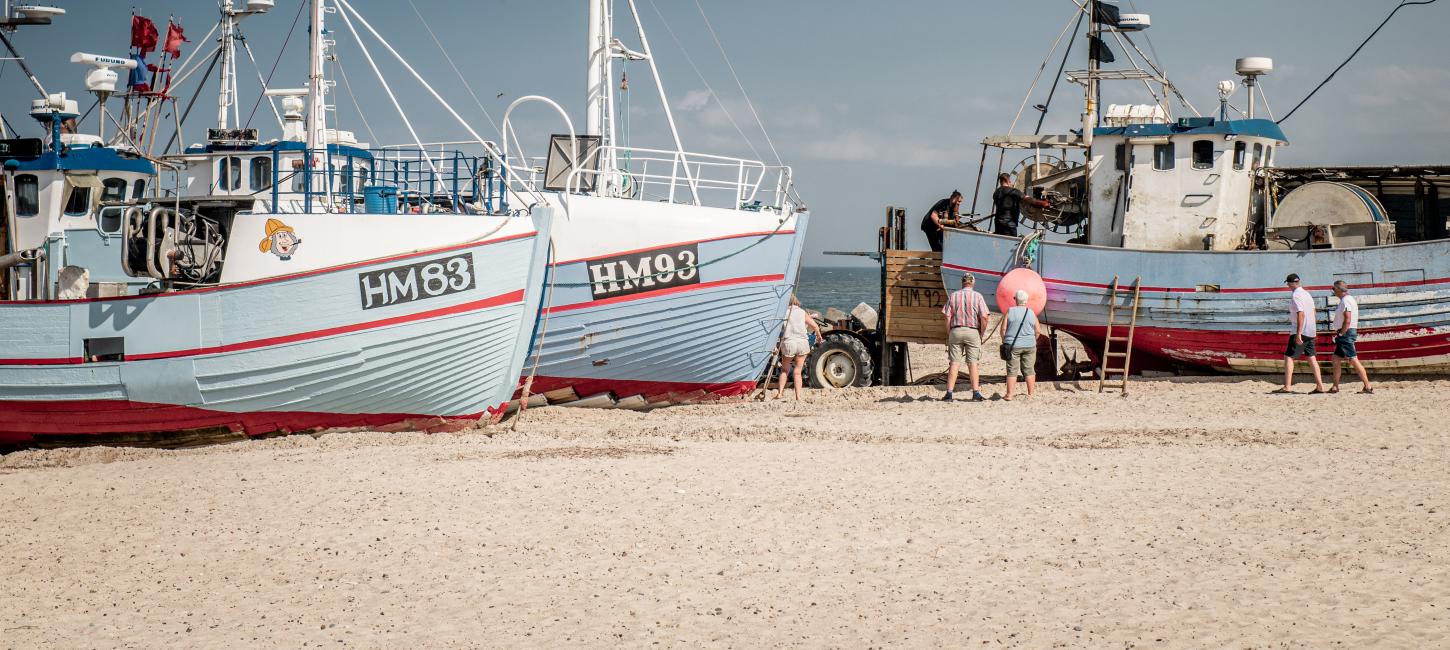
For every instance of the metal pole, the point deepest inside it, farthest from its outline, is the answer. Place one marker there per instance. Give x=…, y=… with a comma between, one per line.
x=981, y=167
x=23, y=67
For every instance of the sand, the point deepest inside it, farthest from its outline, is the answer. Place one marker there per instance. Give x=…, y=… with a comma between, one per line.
x=1192, y=513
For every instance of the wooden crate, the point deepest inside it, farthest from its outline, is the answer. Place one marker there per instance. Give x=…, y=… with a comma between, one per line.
x=914, y=297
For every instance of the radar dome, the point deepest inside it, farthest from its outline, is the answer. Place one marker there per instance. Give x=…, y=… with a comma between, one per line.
x=1254, y=65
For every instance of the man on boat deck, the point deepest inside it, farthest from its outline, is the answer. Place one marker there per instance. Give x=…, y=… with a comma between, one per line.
x=1346, y=332
x=942, y=210
x=1301, y=340
x=967, y=318
x=1007, y=206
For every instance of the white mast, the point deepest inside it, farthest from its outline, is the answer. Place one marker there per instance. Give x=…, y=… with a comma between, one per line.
x=316, y=85
x=227, y=92
x=596, y=91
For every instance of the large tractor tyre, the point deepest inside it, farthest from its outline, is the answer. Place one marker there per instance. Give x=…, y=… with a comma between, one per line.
x=841, y=361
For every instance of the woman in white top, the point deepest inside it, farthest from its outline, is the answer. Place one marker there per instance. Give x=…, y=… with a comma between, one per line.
x=794, y=346
x=1020, y=329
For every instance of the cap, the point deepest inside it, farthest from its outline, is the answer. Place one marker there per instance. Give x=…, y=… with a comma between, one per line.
x=1293, y=277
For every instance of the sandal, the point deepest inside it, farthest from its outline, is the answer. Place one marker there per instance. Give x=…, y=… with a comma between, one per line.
x=1318, y=392
x=1366, y=391
x=1333, y=390
x=1281, y=391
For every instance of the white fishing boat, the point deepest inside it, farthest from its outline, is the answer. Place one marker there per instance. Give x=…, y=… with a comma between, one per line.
x=672, y=271
x=307, y=301
x=1193, y=212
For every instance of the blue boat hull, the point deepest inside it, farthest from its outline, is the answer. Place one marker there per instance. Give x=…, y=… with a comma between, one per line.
x=306, y=351
x=1228, y=310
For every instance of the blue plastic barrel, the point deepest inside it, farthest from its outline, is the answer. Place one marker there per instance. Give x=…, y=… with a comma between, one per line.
x=380, y=199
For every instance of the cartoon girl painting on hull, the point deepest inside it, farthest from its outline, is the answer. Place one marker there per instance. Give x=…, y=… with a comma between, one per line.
x=280, y=240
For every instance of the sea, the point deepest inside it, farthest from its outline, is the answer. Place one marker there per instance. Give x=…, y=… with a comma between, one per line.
x=822, y=287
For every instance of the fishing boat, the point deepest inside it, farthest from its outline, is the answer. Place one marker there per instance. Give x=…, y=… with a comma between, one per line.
x=1193, y=212
x=672, y=271
x=316, y=297
x=669, y=269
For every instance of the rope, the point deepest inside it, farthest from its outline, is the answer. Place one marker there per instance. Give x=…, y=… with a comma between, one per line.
x=739, y=85
x=280, y=52
x=539, y=344
x=1052, y=91
x=1394, y=11
x=488, y=147
x=347, y=85
x=248, y=49
x=714, y=95
x=1047, y=59
x=449, y=59
x=389, y=90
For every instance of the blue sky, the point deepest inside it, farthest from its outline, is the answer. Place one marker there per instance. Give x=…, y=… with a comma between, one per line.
x=873, y=103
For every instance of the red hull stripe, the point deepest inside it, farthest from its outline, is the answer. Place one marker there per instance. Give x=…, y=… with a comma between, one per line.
x=495, y=301
x=682, y=243
x=586, y=387
x=1326, y=287
x=667, y=291
x=281, y=278
x=20, y=420
x=1215, y=348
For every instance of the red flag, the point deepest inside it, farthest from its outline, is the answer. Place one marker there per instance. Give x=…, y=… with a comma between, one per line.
x=143, y=34
x=174, y=39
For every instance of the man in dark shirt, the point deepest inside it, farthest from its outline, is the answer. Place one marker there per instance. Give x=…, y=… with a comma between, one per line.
x=1007, y=206
x=931, y=224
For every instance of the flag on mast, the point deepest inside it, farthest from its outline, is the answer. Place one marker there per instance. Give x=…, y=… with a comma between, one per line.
x=143, y=34
x=174, y=38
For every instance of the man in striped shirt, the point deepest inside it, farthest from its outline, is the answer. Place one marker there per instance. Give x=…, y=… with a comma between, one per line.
x=967, y=317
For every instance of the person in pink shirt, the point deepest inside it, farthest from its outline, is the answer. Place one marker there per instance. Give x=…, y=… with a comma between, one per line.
x=967, y=318
x=1301, y=339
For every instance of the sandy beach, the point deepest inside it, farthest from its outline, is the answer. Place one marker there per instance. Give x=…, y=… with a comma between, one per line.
x=1192, y=513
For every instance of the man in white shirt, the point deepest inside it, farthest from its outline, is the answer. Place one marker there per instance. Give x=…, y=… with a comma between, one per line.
x=1301, y=338
x=1346, y=332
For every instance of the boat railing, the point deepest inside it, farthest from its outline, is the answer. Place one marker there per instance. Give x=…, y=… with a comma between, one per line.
x=686, y=177
x=410, y=179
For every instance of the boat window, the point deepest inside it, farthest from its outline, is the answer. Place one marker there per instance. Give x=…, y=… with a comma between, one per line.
x=114, y=189
x=229, y=173
x=138, y=190
x=1163, y=156
x=1203, y=154
x=345, y=180
x=261, y=173
x=27, y=195
x=79, y=202
x=1258, y=155
x=1241, y=149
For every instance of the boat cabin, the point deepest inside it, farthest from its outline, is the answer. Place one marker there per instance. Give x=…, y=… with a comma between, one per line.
x=1181, y=185
x=55, y=209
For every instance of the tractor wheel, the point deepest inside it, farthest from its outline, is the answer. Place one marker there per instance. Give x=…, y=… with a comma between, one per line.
x=841, y=361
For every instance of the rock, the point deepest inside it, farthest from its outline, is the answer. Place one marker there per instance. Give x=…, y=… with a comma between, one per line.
x=866, y=314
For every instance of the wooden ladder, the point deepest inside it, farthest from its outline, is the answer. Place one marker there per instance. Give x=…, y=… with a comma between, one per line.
x=1114, y=295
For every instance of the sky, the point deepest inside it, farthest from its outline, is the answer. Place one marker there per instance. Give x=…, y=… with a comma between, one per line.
x=871, y=103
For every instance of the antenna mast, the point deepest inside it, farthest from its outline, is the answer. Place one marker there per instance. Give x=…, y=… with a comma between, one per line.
x=1090, y=112
x=227, y=92
x=316, y=84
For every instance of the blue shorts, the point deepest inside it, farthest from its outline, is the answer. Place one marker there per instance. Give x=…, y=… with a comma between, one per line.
x=1344, y=344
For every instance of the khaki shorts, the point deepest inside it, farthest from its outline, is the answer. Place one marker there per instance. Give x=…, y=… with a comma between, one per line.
x=795, y=347
x=1022, y=361
x=964, y=344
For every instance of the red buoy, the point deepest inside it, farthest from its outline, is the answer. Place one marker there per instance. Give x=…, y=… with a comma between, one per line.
x=1025, y=279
